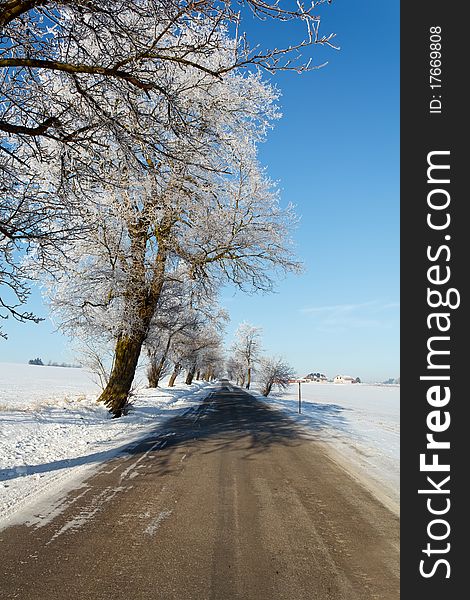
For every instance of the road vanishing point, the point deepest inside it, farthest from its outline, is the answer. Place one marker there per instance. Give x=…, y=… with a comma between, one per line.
x=232, y=500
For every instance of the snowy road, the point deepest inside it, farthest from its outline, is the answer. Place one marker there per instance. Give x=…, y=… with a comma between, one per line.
x=228, y=501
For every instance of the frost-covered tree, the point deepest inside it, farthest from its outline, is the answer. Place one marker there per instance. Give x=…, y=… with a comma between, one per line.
x=205, y=356
x=211, y=363
x=236, y=370
x=174, y=316
x=212, y=214
x=31, y=218
x=273, y=371
x=96, y=355
x=197, y=349
x=184, y=309
x=78, y=78
x=247, y=348
x=50, y=46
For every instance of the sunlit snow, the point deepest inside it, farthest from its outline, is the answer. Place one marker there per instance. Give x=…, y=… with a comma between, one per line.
x=53, y=432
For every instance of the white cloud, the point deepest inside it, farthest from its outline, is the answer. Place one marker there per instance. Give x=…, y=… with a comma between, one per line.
x=359, y=315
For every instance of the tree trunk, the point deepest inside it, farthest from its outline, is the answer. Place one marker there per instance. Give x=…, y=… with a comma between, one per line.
x=153, y=373
x=198, y=375
x=153, y=380
x=190, y=376
x=248, y=380
x=174, y=375
x=126, y=356
x=155, y=369
x=129, y=346
x=267, y=389
x=207, y=376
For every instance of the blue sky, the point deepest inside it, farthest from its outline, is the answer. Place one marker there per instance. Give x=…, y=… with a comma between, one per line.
x=335, y=154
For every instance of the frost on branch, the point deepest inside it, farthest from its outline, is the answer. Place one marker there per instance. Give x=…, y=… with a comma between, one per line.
x=80, y=80
x=208, y=217
x=186, y=326
x=273, y=371
x=246, y=352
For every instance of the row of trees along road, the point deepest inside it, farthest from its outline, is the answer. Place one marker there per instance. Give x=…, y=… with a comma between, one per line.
x=128, y=170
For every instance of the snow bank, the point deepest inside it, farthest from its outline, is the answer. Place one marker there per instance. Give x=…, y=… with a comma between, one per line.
x=53, y=430
x=361, y=425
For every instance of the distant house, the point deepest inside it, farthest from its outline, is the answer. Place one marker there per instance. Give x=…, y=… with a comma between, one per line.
x=316, y=377
x=344, y=379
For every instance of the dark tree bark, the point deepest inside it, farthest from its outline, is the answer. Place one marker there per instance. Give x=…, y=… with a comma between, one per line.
x=190, y=376
x=126, y=356
x=248, y=380
x=267, y=389
x=129, y=345
x=174, y=375
x=154, y=372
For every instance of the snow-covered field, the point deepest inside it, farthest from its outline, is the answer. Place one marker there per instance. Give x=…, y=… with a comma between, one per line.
x=360, y=423
x=53, y=432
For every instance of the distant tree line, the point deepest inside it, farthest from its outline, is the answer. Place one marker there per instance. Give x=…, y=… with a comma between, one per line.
x=392, y=381
x=39, y=362
x=36, y=361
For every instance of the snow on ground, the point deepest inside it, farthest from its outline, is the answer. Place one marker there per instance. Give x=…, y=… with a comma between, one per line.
x=52, y=430
x=361, y=425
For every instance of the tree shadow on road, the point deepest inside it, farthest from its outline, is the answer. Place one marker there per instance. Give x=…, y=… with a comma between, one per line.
x=250, y=426
x=230, y=420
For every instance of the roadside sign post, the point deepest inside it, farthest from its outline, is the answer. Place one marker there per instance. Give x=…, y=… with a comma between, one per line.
x=300, y=398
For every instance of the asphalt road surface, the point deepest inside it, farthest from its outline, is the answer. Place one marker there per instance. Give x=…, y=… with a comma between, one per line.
x=230, y=501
